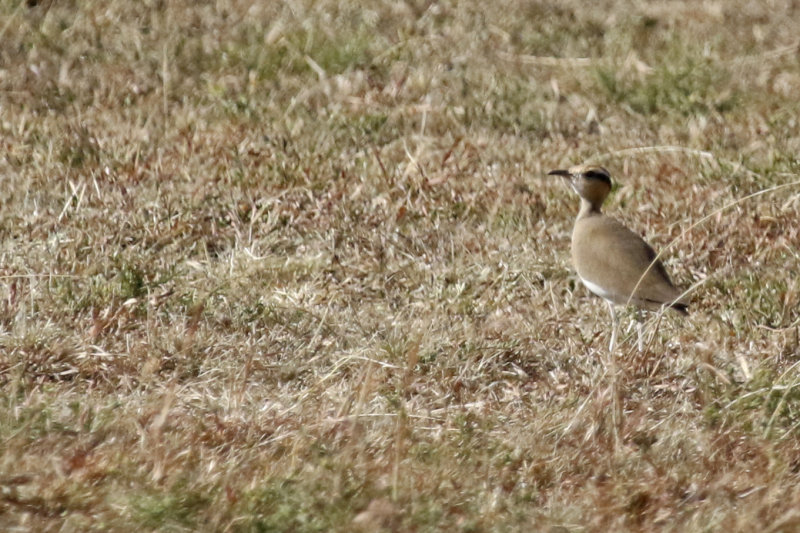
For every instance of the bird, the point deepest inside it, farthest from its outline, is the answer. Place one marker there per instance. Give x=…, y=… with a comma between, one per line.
x=612, y=261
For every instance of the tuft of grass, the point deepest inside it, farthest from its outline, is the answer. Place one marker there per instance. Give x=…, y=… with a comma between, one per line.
x=688, y=86
x=286, y=505
x=178, y=507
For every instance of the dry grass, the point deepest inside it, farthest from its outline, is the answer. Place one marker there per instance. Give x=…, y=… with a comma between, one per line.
x=295, y=266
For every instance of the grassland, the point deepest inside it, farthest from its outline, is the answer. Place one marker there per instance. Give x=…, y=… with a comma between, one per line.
x=295, y=266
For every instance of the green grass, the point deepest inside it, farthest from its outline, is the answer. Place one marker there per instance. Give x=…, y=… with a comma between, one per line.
x=298, y=267
x=685, y=87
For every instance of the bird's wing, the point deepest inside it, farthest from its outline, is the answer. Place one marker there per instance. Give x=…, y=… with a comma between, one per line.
x=610, y=255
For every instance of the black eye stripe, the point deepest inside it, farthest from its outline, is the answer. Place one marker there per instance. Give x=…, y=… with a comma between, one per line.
x=593, y=174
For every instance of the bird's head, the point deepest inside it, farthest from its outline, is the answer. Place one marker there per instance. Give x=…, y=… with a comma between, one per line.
x=592, y=183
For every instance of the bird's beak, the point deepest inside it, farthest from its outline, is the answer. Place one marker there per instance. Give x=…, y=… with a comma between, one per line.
x=562, y=173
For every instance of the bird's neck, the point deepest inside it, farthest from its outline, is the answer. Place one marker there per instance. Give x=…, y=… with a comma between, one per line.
x=588, y=209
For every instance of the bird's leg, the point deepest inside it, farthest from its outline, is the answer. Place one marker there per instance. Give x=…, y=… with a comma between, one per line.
x=640, y=329
x=614, y=324
x=616, y=404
